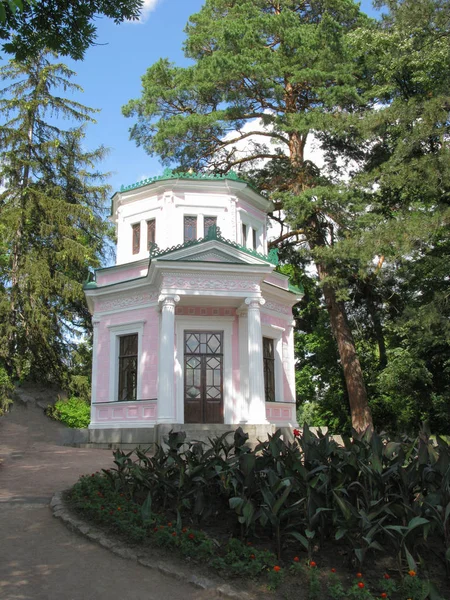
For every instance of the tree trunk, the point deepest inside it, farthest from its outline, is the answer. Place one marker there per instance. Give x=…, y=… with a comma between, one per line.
x=317, y=237
x=354, y=380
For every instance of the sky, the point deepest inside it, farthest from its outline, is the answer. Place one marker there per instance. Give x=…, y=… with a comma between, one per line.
x=111, y=72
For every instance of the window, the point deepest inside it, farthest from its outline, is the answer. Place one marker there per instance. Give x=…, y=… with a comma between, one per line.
x=128, y=355
x=151, y=233
x=269, y=369
x=136, y=238
x=255, y=241
x=244, y=235
x=208, y=223
x=190, y=228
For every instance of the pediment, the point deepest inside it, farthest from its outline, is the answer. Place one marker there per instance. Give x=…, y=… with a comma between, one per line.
x=212, y=251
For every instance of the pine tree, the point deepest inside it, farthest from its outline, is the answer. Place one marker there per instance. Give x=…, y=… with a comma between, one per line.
x=285, y=64
x=52, y=213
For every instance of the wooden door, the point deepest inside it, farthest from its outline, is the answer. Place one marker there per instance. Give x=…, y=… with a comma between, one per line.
x=203, y=377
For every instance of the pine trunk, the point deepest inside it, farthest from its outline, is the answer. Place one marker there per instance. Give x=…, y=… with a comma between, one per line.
x=354, y=380
x=316, y=237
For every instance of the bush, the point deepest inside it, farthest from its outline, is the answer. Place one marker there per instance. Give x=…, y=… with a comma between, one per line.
x=74, y=412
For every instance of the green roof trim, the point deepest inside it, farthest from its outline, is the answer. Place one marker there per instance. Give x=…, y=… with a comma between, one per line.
x=214, y=234
x=295, y=289
x=170, y=174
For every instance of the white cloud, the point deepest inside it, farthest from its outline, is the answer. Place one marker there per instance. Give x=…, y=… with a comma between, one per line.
x=147, y=8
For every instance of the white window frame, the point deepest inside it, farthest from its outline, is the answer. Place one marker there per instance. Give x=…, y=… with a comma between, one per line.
x=224, y=324
x=116, y=332
x=276, y=334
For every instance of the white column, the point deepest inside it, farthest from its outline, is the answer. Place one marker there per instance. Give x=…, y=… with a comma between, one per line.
x=257, y=402
x=166, y=360
x=243, y=364
x=95, y=324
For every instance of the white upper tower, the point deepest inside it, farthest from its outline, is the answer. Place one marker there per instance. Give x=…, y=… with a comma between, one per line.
x=176, y=208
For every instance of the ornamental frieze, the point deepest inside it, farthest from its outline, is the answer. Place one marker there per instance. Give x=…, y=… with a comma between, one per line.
x=277, y=307
x=125, y=301
x=181, y=281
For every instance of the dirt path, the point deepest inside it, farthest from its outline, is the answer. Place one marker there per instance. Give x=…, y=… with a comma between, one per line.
x=39, y=558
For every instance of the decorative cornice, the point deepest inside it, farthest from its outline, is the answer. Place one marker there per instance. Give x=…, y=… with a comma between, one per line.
x=170, y=174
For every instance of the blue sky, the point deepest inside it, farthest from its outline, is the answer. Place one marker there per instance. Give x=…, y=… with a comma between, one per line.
x=111, y=75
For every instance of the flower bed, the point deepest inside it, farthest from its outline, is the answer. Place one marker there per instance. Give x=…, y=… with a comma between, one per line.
x=310, y=510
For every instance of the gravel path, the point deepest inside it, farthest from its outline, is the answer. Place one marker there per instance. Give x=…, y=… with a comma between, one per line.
x=39, y=558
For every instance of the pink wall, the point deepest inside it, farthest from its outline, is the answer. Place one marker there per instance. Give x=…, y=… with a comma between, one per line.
x=108, y=276
x=280, y=413
x=129, y=413
x=289, y=394
x=150, y=342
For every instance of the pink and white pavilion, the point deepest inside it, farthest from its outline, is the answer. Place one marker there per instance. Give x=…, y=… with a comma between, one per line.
x=193, y=326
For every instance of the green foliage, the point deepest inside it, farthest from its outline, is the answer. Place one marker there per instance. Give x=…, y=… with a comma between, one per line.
x=376, y=495
x=74, y=412
x=6, y=390
x=52, y=218
x=30, y=26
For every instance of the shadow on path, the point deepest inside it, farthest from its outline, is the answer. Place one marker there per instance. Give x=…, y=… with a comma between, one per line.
x=39, y=558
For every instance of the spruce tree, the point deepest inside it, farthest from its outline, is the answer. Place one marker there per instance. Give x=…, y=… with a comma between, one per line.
x=284, y=64
x=52, y=211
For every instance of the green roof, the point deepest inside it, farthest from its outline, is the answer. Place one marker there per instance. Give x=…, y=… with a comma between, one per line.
x=170, y=174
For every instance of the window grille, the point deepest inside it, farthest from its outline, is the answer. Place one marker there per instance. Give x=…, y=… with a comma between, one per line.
x=269, y=369
x=190, y=228
x=136, y=238
x=151, y=232
x=128, y=355
x=209, y=222
x=244, y=235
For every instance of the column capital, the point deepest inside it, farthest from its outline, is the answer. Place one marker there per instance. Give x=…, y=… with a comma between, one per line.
x=254, y=302
x=168, y=299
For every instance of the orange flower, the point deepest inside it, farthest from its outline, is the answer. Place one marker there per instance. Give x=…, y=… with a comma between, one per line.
x=360, y=585
x=119, y=508
x=384, y=595
x=191, y=536
x=169, y=524
x=155, y=529
x=184, y=530
x=249, y=543
x=312, y=564
x=358, y=575
x=333, y=570
x=412, y=573
x=386, y=576
x=276, y=568
x=174, y=534
x=252, y=556
x=296, y=559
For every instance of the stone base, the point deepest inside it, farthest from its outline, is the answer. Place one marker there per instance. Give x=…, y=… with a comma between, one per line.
x=129, y=438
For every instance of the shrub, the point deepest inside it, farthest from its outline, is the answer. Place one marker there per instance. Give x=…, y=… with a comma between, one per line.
x=74, y=412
